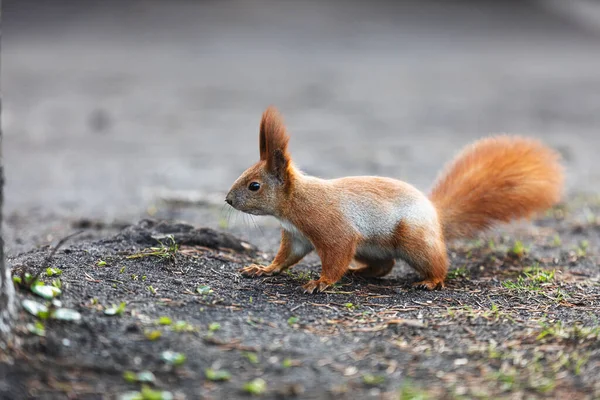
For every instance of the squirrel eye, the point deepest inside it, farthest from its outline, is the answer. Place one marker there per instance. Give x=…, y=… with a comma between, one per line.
x=254, y=186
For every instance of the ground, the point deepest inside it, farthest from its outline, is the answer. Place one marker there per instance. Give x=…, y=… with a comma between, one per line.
x=518, y=319
x=118, y=111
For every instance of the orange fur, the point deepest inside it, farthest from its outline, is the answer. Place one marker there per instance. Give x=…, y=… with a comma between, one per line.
x=347, y=220
x=273, y=139
x=430, y=260
x=497, y=179
x=327, y=229
x=283, y=260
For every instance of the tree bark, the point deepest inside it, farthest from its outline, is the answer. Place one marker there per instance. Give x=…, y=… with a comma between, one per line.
x=7, y=290
x=7, y=305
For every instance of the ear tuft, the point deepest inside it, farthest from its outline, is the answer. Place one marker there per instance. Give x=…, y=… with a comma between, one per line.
x=273, y=142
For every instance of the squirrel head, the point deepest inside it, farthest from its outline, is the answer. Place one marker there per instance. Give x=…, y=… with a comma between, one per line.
x=263, y=187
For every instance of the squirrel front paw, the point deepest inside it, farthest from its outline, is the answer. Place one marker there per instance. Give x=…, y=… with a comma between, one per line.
x=315, y=284
x=259, y=270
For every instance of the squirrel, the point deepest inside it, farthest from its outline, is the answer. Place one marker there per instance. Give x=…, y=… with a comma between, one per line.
x=364, y=224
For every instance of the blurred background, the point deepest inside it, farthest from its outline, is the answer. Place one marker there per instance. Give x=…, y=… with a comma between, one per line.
x=117, y=110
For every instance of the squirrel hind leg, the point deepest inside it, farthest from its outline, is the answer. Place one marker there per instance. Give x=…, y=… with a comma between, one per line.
x=425, y=251
x=367, y=268
x=433, y=267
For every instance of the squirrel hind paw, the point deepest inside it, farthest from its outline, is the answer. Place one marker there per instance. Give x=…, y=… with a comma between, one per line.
x=429, y=284
x=315, y=284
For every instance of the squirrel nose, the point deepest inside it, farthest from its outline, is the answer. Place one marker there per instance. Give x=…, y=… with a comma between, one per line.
x=228, y=201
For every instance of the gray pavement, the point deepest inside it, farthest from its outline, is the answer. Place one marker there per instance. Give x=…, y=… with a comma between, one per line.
x=109, y=105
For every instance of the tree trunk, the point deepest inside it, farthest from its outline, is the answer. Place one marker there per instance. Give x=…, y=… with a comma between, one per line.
x=7, y=290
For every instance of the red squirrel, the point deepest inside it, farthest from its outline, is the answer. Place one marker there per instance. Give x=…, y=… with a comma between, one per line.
x=363, y=224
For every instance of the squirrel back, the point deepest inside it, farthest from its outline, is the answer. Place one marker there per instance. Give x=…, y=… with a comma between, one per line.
x=497, y=179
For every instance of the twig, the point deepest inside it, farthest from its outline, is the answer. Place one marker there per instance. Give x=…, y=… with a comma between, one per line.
x=297, y=307
x=233, y=345
x=59, y=245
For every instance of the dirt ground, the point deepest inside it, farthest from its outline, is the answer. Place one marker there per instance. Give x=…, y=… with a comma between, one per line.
x=519, y=319
x=116, y=111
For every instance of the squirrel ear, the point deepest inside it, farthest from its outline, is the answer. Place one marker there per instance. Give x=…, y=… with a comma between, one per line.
x=280, y=164
x=262, y=138
x=273, y=142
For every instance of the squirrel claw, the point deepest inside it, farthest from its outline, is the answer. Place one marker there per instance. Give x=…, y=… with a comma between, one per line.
x=315, y=284
x=256, y=270
x=428, y=285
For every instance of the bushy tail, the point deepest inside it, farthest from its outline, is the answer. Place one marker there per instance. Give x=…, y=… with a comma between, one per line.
x=497, y=179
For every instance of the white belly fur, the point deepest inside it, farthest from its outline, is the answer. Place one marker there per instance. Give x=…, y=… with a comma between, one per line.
x=373, y=219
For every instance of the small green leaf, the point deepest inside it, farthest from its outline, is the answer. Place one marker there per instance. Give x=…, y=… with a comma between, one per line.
x=17, y=280
x=214, y=326
x=130, y=376
x=45, y=291
x=151, y=394
x=256, y=386
x=66, y=314
x=145, y=376
x=252, y=357
x=153, y=335
x=518, y=249
x=152, y=290
x=373, y=380
x=293, y=320
x=116, y=310
x=101, y=263
x=44, y=315
x=182, y=326
x=133, y=395
x=287, y=363
x=146, y=394
x=34, y=308
x=204, y=289
x=29, y=279
x=173, y=358
x=164, y=321
x=37, y=328
x=53, y=271
x=218, y=375
x=122, y=270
